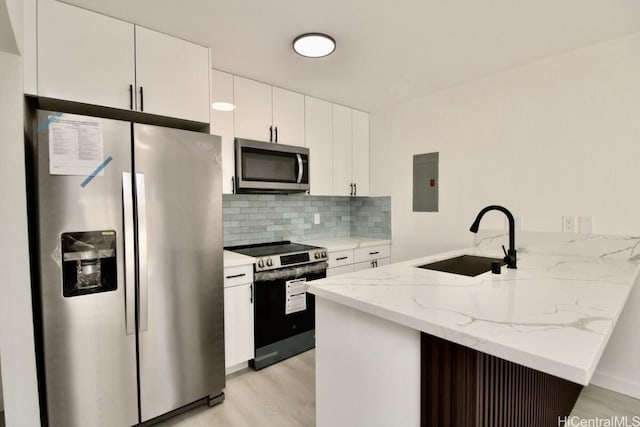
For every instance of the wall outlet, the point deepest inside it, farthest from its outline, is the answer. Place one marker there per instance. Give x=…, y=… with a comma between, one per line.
x=316, y=218
x=569, y=224
x=585, y=224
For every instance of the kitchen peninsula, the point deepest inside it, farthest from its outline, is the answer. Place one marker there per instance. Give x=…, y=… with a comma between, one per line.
x=398, y=343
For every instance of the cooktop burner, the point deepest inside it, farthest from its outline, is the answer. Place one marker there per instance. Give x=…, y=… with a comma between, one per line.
x=281, y=254
x=275, y=248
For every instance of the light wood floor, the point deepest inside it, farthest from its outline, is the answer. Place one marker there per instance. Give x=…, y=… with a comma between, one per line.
x=599, y=402
x=283, y=395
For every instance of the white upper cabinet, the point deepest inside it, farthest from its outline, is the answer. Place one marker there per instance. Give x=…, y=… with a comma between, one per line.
x=84, y=56
x=288, y=117
x=267, y=113
x=318, y=137
x=342, y=151
x=338, y=138
x=252, y=116
x=172, y=76
x=360, y=161
x=222, y=124
x=91, y=58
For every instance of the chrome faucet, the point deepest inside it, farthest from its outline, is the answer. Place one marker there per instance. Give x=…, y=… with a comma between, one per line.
x=510, y=255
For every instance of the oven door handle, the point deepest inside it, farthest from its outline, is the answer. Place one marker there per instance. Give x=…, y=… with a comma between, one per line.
x=290, y=273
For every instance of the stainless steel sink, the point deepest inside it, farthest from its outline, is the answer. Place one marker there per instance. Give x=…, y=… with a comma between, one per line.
x=467, y=265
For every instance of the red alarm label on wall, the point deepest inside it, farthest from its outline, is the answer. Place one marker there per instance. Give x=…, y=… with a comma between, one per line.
x=432, y=182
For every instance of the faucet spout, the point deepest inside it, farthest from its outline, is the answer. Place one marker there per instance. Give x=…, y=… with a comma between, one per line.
x=510, y=256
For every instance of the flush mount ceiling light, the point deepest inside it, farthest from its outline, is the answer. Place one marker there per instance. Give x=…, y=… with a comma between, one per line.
x=314, y=45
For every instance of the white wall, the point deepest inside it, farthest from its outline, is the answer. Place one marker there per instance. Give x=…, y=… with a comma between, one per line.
x=8, y=41
x=1, y=397
x=556, y=137
x=16, y=327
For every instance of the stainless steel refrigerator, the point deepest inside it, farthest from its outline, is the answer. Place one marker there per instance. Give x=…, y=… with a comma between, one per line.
x=128, y=219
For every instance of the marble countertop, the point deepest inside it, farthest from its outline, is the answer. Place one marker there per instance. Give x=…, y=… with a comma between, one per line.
x=554, y=313
x=344, y=243
x=234, y=259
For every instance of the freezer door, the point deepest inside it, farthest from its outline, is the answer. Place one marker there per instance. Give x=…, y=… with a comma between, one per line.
x=179, y=206
x=89, y=359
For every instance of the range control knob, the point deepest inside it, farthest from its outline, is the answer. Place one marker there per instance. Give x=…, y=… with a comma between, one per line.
x=269, y=262
x=324, y=254
x=261, y=263
x=317, y=255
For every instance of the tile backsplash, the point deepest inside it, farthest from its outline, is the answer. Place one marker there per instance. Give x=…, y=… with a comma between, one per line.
x=257, y=218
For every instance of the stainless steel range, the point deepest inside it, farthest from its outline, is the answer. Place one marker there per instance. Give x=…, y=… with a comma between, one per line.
x=284, y=313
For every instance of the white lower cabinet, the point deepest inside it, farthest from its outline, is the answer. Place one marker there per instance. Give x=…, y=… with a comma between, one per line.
x=340, y=262
x=350, y=260
x=371, y=253
x=238, y=317
x=371, y=264
x=335, y=271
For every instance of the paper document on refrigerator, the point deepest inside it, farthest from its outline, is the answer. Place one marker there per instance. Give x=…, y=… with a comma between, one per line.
x=75, y=145
x=296, y=296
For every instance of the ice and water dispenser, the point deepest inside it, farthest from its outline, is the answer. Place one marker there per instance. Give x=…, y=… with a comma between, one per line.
x=88, y=262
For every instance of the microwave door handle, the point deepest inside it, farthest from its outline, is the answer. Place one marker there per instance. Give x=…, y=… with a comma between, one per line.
x=300, y=168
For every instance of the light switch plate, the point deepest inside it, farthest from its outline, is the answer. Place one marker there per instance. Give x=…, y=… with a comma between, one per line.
x=569, y=224
x=316, y=218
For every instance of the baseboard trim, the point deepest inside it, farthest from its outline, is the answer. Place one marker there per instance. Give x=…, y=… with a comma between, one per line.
x=235, y=368
x=617, y=384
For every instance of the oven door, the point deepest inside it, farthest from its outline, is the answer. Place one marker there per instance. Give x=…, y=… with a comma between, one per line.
x=284, y=313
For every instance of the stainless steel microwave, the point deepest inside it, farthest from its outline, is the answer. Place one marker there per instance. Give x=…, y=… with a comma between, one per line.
x=265, y=167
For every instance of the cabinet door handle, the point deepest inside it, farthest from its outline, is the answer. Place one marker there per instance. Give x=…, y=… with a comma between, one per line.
x=141, y=98
x=342, y=258
x=374, y=253
x=251, y=293
x=233, y=185
x=131, y=97
x=351, y=193
x=270, y=133
x=376, y=261
x=236, y=275
x=276, y=129
x=355, y=188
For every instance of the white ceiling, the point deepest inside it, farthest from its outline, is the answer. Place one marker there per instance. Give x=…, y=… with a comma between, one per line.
x=387, y=51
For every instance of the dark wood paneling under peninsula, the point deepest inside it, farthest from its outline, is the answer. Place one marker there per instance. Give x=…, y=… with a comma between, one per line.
x=464, y=387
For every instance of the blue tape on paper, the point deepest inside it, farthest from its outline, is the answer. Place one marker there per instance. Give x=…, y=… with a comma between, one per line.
x=96, y=172
x=44, y=125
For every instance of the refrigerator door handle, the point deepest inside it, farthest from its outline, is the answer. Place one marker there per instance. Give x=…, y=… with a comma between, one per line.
x=143, y=283
x=129, y=256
